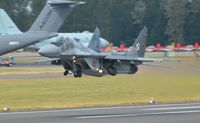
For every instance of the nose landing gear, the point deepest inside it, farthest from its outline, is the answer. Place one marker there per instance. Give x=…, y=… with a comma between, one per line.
x=66, y=73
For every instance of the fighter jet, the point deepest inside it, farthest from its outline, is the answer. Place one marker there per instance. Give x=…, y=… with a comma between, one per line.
x=7, y=26
x=83, y=38
x=49, y=21
x=90, y=61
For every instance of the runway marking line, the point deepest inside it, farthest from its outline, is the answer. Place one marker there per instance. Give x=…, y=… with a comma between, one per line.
x=172, y=108
x=94, y=109
x=142, y=114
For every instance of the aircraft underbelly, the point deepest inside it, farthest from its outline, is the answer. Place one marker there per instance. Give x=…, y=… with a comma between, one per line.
x=123, y=68
x=92, y=73
x=88, y=69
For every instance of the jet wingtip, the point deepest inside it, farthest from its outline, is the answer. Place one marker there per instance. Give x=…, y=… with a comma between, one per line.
x=55, y=2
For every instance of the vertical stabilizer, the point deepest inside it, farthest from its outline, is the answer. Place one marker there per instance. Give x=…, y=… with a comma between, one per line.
x=53, y=15
x=95, y=41
x=7, y=26
x=138, y=49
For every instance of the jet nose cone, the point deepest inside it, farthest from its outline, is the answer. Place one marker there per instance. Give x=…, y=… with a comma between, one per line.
x=49, y=51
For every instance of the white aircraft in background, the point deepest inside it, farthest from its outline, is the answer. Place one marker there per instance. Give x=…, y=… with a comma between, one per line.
x=8, y=27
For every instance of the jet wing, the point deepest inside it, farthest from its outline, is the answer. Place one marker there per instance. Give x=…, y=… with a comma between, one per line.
x=159, y=66
x=138, y=59
x=47, y=61
x=58, y=2
x=14, y=42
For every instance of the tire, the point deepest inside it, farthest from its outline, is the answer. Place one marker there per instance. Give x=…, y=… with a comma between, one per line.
x=75, y=75
x=80, y=74
x=66, y=73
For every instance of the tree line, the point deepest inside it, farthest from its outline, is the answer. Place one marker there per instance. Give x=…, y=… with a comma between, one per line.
x=168, y=21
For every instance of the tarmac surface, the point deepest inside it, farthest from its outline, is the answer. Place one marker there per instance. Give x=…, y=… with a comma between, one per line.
x=31, y=66
x=32, y=76
x=167, y=113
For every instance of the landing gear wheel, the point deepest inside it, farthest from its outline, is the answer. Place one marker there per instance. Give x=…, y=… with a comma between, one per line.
x=66, y=73
x=79, y=73
x=75, y=75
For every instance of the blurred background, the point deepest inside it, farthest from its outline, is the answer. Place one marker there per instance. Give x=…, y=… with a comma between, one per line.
x=169, y=21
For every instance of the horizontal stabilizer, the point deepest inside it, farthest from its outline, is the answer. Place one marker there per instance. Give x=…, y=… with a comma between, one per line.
x=68, y=2
x=159, y=66
x=138, y=59
x=47, y=61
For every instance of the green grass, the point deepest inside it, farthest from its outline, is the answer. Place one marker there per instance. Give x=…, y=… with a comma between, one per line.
x=24, y=94
x=26, y=60
x=181, y=84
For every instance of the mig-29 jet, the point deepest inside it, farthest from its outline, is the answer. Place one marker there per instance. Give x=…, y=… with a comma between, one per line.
x=90, y=61
x=48, y=22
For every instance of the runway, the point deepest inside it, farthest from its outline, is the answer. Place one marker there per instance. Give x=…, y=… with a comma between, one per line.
x=32, y=76
x=167, y=113
x=31, y=66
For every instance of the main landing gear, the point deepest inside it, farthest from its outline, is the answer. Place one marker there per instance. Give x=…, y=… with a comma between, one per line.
x=76, y=70
x=77, y=74
x=72, y=66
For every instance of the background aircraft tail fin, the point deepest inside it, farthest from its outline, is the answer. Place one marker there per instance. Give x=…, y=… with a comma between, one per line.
x=7, y=26
x=53, y=15
x=95, y=41
x=138, y=49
